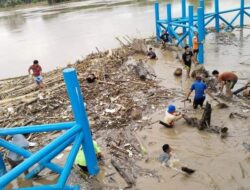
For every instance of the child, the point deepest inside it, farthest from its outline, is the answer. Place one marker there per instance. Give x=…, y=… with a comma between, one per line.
x=151, y=54
x=37, y=73
x=167, y=160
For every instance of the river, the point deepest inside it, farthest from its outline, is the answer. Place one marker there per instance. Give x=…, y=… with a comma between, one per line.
x=60, y=34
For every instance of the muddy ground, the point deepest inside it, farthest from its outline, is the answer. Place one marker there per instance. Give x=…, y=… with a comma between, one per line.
x=123, y=113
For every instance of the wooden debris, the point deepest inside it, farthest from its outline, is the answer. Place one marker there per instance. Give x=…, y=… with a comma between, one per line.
x=127, y=177
x=204, y=123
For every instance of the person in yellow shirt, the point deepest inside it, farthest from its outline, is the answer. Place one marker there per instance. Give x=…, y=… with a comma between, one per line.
x=80, y=160
x=195, y=45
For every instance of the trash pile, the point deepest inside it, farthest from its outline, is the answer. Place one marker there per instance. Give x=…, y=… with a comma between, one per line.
x=116, y=97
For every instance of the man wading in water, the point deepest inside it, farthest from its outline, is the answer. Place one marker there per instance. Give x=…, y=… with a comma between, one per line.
x=36, y=72
x=187, y=58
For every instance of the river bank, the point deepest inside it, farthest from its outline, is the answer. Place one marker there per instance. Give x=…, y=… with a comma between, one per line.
x=124, y=111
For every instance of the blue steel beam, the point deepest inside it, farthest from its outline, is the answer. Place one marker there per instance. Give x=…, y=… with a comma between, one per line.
x=231, y=23
x=247, y=13
x=210, y=20
x=76, y=99
x=202, y=4
x=2, y=166
x=70, y=161
x=183, y=8
x=157, y=18
x=182, y=38
x=36, y=128
x=15, y=172
x=228, y=24
x=27, y=154
x=169, y=18
x=217, y=19
x=50, y=187
x=190, y=23
x=201, y=34
x=49, y=157
x=242, y=5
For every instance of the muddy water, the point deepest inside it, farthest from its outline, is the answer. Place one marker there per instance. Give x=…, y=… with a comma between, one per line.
x=219, y=163
x=57, y=35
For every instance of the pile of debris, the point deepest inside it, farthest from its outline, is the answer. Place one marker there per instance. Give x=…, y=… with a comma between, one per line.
x=117, y=97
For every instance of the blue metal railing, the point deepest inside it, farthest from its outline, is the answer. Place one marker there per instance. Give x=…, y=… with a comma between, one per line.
x=78, y=133
x=196, y=22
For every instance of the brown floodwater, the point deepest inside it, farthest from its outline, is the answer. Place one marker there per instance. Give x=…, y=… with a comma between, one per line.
x=59, y=34
x=220, y=163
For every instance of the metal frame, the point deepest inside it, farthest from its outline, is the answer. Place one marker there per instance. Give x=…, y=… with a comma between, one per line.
x=196, y=22
x=78, y=134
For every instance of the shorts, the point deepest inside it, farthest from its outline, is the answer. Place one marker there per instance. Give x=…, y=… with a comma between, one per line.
x=198, y=102
x=38, y=79
x=232, y=83
x=196, y=51
x=187, y=65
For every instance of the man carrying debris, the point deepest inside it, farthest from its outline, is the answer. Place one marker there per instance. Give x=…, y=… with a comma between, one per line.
x=37, y=72
x=200, y=89
x=167, y=159
x=151, y=54
x=80, y=157
x=13, y=158
x=164, y=38
x=187, y=58
x=171, y=116
x=227, y=78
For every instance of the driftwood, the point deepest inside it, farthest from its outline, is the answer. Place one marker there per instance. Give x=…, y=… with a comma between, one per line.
x=127, y=177
x=204, y=123
x=240, y=90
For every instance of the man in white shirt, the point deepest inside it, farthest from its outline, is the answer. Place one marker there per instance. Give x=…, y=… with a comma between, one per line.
x=171, y=116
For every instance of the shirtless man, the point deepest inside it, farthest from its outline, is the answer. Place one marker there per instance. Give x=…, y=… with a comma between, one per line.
x=226, y=78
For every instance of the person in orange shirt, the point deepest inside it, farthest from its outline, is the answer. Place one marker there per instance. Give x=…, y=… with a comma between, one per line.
x=195, y=45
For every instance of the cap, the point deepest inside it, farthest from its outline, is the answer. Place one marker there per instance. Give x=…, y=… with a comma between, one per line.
x=171, y=108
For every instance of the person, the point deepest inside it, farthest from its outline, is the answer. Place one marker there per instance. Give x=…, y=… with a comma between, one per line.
x=37, y=73
x=80, y=160
x=164, y=37
x=187, y=58
x=195, y=45
x=200, y=89
x=167, y=159
x=226, y=78
x=171, y=116
x=13, y=158
x=151, y=54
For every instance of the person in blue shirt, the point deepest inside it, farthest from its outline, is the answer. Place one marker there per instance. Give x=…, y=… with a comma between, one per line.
x=200, y=89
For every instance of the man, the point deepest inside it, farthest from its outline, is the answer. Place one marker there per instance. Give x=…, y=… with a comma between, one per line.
x=151, y=54
x=166, y=159
x=164, y=38
x=13, y=158
x=171, y=116
x=187, y=58
x=37, y=72
x=226, y=78
x=195, y=45
x=80, y=158
x=200, y=89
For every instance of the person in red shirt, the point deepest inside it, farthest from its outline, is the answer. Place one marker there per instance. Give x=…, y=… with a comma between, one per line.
x=37, y=73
